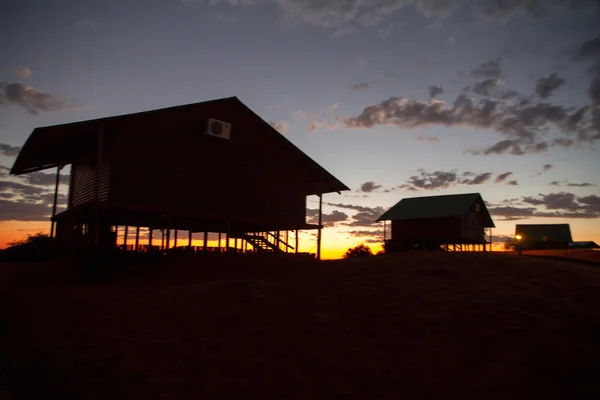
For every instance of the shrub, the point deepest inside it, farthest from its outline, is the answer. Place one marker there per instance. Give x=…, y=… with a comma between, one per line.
x=34, y=248
x=361, y=250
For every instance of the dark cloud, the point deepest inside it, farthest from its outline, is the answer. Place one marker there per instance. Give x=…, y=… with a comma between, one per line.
x=486, y=87
x=503, y=11
x=20, y=189
x=502, y=177
x=357, y=87
x=43, y=179
x=477, y=179
x=281, y=127
x=589, y=51
x=512, y=183
x=546, y=85
x=364, y=217
x=29, y=98
x=328, y=220
x=22, y=211
x=433, y=180
x=8, y=150
x=442, y=179
x=346, y=15
x=369, y=187
x=570, y=184
x=524, y=121
x=553, y=205
x=547, y=167
x=434, y=91
x=510, y=213
x=429, y=139
x=488, y=70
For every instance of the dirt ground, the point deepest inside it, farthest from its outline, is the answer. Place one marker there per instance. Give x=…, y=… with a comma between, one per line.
x=414, y=326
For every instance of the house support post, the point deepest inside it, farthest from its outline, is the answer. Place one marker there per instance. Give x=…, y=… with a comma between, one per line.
x=189, y=239
x=175, y=239
x=296, y=248
x=52, y=234
x=205, y=244
x=125, y=237
x=320, y=227
x=137, y=238
x=149, y=238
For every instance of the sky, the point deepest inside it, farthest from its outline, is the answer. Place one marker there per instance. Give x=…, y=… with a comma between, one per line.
x=396, y=98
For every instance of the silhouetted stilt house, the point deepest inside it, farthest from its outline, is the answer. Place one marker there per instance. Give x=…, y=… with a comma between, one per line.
x=543, y=236
x=210, y=167
x=451, y=223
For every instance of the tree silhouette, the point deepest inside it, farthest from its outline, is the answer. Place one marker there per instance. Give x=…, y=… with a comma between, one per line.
x=362, y=250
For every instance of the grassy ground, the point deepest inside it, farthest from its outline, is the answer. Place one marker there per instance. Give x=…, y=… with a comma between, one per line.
x=409, y=326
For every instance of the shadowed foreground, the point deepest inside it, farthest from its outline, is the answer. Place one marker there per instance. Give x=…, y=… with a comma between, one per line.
x=414, y=325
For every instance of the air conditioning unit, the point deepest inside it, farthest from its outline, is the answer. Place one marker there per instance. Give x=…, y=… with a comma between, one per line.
x=219, y=129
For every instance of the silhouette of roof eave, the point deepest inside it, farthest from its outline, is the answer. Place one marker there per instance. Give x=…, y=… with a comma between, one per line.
x=440, y=206
x=56, y=145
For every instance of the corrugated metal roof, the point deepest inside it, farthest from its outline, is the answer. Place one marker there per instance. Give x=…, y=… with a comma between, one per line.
x=454, y=205
x=544, y=232
x=57, y=145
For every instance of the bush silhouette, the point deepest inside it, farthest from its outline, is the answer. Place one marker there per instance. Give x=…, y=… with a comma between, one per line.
x=361, y=250
x=34, y=248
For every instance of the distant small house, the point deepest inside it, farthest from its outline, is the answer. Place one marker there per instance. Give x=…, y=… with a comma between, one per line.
x=543, y=236
x=450, y=222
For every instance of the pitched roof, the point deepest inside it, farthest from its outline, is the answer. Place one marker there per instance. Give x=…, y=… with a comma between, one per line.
x=537, y=232
x=454, y=205
x=58, y=145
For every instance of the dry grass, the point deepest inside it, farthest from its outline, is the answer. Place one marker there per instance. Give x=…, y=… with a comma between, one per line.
x=409, y=326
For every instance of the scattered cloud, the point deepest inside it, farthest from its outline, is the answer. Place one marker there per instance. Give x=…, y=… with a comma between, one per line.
x=21, y=72
x=8, y=150
x=434, y=91
x=334, y=106
x=369, y=187
x=525, y=122
x=488, y=70
x=429, y=139
x=545, y=86
x=282, y=126
x=364, y=216
x=316, y=125
x=301, y=114
x=571, y=184
x=348, y=14
x=502, y=177
x=359, y=87
x=328, y=220
x=553, y=205
x=21, y=211
x=362, y=63
x=29, y=98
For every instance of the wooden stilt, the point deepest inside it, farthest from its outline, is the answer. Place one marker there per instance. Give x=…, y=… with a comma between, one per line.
x=137, y=238
x=52, y=224
x=125, y=237
x=150, y=238
x=320, y=226
x=205, y=244
x=175, y=239
x=168, y=239
x=296, y=247
x=190, y=239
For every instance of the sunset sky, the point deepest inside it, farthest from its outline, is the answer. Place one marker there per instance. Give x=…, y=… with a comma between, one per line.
x=396, y=98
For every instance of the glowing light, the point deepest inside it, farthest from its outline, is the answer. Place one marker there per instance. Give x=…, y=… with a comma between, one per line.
x=518, y=237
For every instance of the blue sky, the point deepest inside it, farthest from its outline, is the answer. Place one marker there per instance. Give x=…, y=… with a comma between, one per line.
x=313, y=67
